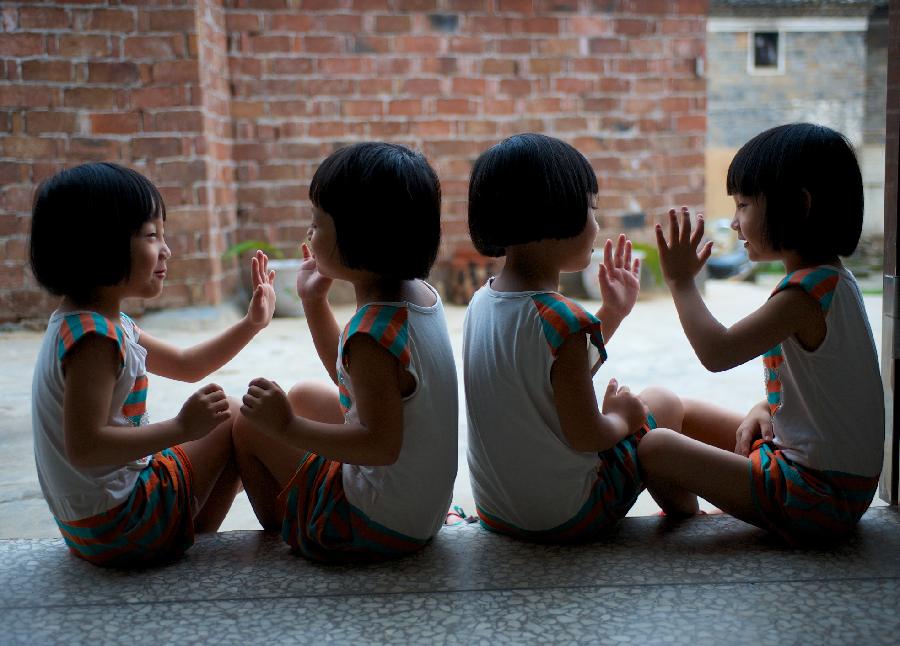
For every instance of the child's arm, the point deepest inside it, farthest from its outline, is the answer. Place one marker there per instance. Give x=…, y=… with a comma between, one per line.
x=195, y=363
x=312, y=287
x=585, y=427
x=788, y=312
x=90, y=376
x=377, y=437
x=619, y=284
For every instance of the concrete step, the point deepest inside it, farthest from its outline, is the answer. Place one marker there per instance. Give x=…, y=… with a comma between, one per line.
x=710, y=579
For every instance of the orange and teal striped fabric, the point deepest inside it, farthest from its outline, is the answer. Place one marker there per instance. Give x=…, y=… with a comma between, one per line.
x=561, y=318
x=388, y=325
x=155, y=522
x=802, y=504
x=618, y=485
x=820, y=283
x=135, y=406
x=75, y=326
x=320, y=523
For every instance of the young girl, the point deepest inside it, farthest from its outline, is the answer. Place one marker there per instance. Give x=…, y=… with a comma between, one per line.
x=364, y=471
x=804, y=462
x=123, y=495
x=546, y=463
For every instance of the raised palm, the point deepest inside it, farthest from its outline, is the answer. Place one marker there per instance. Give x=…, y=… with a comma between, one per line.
x=311, y=284
x=262, y=304
x=619, y=277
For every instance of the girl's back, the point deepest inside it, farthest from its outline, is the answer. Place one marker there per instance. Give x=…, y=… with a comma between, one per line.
x=413, y=494
x=522, y=469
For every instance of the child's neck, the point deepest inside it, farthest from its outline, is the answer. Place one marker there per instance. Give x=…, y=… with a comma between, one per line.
x=374, y=289
x=526, y=272
x=794, y=262
x=102, y=302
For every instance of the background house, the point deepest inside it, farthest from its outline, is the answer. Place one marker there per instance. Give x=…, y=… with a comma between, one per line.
x=773, y=62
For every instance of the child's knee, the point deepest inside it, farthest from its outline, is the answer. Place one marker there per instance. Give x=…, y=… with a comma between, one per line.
x=656, y=447
x=665, y=406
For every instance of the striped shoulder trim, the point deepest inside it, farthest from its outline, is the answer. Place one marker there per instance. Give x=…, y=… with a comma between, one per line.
x=76, y=326
x=818, y=282
x=562, y=317
x=387, y=324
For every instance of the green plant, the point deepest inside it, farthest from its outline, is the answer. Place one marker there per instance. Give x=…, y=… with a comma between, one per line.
x=240, y=248
x=651, y=260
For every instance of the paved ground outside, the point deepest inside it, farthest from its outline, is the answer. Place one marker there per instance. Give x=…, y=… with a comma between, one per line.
x=649, y=349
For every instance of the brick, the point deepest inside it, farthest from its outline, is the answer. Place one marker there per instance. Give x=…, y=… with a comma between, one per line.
x=515, y=87
x=415, y=5
x=688, y=123
x=330, y=87
x=499, y=106
x=481, y=128
x=21, y=44
x=27, y=96
x=405, y=107
x=421, y=87
x=607, y=45
x=469, y=86
x=515, y=46
x=441, y=65
x=89, y=97
x=322, y=44
x=398, y=66
x=12, y=172
x=418, y=44
x=118, y=20
x=156, y=147
x=515, y=6
x=364, y=108
x=182, y=71
x=39, y=122
x=465, y=45
x=83, y=46
x=590, y=25
x=375, y=86
x=360, y=44
x=437, y=128
x=503, y=66
x=92, y=149
x=158, y=97
x=392, y=24
x=43, y=18
x=455, y=106
x=178, y=121
x=154, y=48
x=559, y=46
x=286, y=66
x=237, y=21
x=545, y=66
x=118, y=123
x=294, y=23
x=340, y=23
x=120, y=73
x=177, y=20
x=346, y=65
x=264, y=44
x=46, y=70
x=16, y=198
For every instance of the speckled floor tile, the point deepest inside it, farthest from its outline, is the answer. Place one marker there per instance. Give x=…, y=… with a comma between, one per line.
x=708, y=580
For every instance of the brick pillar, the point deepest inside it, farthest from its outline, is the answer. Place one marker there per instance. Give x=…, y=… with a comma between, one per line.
x=117, y=82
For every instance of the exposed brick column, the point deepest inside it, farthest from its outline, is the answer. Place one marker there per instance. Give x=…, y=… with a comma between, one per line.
x=118, y=82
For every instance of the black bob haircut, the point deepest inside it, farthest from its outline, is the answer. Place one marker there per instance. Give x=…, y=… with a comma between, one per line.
x=385, y=200
x=784, y=163
x=527, y=188
x=82, y=223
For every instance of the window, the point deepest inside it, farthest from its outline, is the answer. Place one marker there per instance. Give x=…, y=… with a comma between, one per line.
x=766, y=53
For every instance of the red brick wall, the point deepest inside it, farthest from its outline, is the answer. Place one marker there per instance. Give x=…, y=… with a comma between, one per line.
x=233, y=145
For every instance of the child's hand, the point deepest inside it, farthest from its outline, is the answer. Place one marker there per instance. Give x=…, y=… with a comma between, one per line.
x=619, y=278
x=202, y=412
x=262, y=304
x=620, y=402
x=679, y=258
x=757, y=424
x=266, y=406
x=311, y=285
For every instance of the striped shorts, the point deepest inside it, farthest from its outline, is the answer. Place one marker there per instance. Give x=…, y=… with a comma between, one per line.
x=154, y=524
x=320, y=523
x=805, y=505
x=615, y=491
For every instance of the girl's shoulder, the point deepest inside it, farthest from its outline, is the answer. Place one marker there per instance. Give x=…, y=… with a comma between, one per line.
x=386, y=323
x=562, y=317
x=72, y=326
x=819, y=282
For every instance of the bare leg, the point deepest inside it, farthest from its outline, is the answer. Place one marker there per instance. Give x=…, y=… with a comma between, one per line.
x=674, y=464
x=215, y=474
x=666, y=407
x=711, y=424
x=266, y=464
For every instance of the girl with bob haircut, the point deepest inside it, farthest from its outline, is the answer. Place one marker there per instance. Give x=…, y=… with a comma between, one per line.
x=122, y=490
x=804, y=462
x=547, y=464
x=363, y=471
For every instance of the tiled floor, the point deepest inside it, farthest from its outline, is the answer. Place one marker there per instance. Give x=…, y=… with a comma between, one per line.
x=709, y=580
